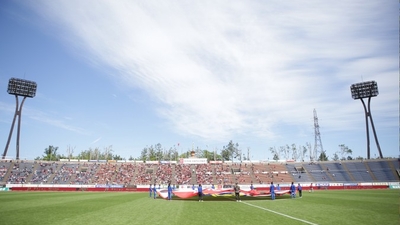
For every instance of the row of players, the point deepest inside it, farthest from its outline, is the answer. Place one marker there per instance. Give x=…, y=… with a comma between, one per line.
x=236, y=188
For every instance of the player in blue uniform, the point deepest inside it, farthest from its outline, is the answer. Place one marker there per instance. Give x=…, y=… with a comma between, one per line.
x=272, y=190
x=150, y=190
x=200, y=192
x=154, y=191
x=169, y=191
x=292, y=191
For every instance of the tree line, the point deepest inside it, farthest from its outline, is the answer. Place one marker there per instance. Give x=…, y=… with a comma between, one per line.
x=51, y=154
x=229, y=152
x=300, y=153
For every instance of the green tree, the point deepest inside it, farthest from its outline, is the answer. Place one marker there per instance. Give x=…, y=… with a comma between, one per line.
x=275, y=153
x=50, y=153
x=344, y=150
x=159, y=152
x=359, y=158
x=144, y=154
x=184, y=155
x=84, y=154
x=230, y=151
x=70, y=152
x=151, y=154
x=95, y=153
x=304, y=152
x=335, y=157
x=295, y=154
x=117, y=157
x=283, y=149
x=323, y=157
x=207, y=154
x=156, y=153
x=107, y=153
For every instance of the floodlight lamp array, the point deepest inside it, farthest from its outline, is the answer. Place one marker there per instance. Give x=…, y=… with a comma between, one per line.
x=22, y=87
x=364, y=90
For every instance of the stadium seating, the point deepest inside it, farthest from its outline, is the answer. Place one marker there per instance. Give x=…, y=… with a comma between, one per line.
x=20, y=171
x=228, y=173
x=382, y=171
x=338, y=172
x=299, y=173
x=359, y=171
x=42, y=172
x=4, y=168
x=64, y=174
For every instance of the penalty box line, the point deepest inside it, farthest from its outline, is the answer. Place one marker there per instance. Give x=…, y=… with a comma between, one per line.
x=281, y=214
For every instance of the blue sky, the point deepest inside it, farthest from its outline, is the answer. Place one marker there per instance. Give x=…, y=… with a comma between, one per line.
x=133, y=74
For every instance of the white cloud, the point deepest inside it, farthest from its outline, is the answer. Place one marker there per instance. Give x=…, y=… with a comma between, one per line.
x=222, y=68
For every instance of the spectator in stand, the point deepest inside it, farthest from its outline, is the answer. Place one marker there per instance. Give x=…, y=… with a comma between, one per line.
x=272, y=190
x=183, y=175
x=299, y=189
x=292, y=191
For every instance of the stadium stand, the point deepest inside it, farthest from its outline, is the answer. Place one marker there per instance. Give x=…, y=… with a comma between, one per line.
x=222, y=173
x=144, y=174
x=338, y=172
x=20, y=172
x=86, y=173
x=359, y=171
x=183, y=174
x=4, y=168
x=64, y=174
x=42, y=172
x=381, y=170
x=105, y=174
x=131, y=173
x=163, y=174
x=204, y=174
x=317, y=172
x=299, y=173
x=125, y=174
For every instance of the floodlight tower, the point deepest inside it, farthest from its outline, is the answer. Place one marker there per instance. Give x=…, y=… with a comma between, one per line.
x=23, y=88
x=318, y=143
x=368, y=90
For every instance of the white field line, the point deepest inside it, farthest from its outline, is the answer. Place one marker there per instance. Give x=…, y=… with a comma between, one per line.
x=281, y=214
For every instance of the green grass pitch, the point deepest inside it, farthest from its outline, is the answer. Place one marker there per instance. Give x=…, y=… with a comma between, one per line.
x=320, y=207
